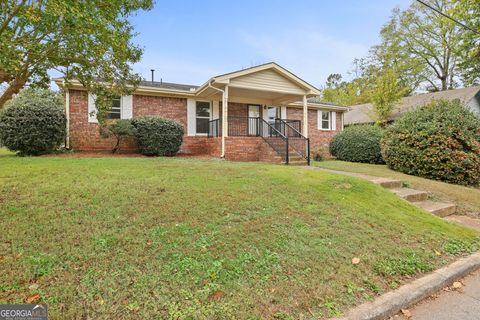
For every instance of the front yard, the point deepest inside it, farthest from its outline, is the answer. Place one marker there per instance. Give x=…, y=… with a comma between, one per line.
x=170, y=238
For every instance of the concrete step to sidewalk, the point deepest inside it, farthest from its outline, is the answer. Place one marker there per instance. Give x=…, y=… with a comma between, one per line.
x=411, y=195
x=386, y=183
x=437, y=208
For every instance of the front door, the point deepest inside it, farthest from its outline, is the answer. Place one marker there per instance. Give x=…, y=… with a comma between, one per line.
x=253, y=120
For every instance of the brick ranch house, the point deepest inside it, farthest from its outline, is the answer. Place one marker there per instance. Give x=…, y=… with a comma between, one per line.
x=255, y=114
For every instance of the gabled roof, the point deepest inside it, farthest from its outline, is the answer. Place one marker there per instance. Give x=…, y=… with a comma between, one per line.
x=225, y=78
x=363, y=113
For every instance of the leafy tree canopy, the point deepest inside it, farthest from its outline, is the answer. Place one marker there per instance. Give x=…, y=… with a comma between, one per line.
x=84, y=40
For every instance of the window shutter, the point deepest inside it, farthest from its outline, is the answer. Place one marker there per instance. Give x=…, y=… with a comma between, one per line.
x=333, y=120
x=91, y=109
x=283, y=113
x=127, y=107
x=191, y=121
x=215, y=110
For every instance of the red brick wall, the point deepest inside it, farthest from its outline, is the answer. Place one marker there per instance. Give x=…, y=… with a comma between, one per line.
x=319, y=139
x=85, y=136
x=165, y=107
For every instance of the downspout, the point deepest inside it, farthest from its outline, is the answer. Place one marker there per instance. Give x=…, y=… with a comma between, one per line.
x=222, y=155
x=67, y=113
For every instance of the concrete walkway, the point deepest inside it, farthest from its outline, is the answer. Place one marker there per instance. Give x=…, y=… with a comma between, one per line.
x=450, y=304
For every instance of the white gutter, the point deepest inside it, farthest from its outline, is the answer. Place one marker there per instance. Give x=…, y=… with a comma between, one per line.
x=67, y=113
x=223, y=116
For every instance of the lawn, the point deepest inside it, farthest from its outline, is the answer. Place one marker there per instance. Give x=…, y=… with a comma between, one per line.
x=467, y=199
x=170, y=238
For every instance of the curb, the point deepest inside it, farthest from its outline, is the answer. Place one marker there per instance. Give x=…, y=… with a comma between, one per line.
x=391, y=303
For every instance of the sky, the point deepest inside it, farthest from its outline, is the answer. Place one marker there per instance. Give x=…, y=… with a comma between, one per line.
x=189, y=41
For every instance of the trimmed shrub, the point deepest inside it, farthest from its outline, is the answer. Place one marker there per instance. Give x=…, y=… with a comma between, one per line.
x=440, y=141
x=359, y=143
x=33, y=123
x=118, y=129
x=157, y=136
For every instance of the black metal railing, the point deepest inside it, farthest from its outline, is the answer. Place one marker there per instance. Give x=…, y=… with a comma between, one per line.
x=214, y=128
x=275, y=139
x=289, y=128
x=283, y=136
x=297, y=141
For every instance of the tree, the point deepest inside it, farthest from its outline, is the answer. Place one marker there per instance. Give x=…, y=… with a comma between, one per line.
x=118, y=129
x=344, y=93
x=434, y=40
x=388, y=90
x=469, y=12
x=89, y=41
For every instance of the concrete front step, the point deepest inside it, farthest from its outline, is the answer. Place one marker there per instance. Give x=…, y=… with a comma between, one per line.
x=437, y=208
x=411, y=195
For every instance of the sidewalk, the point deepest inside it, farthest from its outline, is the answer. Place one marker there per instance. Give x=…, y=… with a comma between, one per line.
x=461, y=304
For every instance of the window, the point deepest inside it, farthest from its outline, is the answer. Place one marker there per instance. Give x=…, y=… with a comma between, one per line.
x=115, y=111
x=325, y=125
x=202, y=116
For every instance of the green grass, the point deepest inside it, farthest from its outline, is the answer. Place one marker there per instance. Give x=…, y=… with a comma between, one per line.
x=467, y=199
x=188, y=239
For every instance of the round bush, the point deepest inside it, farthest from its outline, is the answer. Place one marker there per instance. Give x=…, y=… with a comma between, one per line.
x=358, y=143
x=157, y=136
x=33, y=123
x=439, y=141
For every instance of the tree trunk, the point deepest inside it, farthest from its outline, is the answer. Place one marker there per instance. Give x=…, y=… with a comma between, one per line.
x=14, y=87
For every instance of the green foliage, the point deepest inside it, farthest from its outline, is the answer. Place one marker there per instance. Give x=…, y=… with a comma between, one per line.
x=359, y=143
x=457, y=246
x=438, y=141
x=33, y=123
x=387, y=91
x=85, y=41
x=408, y=265
x=345, y=93
x=118, y=129
x=157, y=136
x=41, y=264
x=469, y=11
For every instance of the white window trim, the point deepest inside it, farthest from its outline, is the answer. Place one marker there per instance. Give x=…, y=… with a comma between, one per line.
x=209, y=117
x=320, y=121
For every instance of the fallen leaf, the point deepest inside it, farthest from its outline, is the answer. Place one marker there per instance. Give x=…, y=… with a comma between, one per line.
x=355, y=260
x=149, y=243
x=216, y=295
x=438, y=253
x=101, y=302
x=407, y=313
x=457, y=285
x=33, y=286
x=33, y=298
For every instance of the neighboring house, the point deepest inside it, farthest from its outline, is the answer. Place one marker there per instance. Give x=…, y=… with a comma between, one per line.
x=266, y=109
x=363, y=113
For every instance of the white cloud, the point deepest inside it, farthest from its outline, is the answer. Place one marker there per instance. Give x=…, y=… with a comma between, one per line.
x=310, y=55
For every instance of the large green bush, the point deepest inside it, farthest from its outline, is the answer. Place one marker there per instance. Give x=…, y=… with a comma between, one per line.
x=439, y=141
x=359, y=143
x=33, y=123
x=158, y=136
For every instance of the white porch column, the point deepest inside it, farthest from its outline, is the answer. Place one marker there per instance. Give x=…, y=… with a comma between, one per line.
x=305, y=117
x=224, y=119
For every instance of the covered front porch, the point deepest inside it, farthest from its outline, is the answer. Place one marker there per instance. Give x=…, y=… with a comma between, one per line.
x=254, y=103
